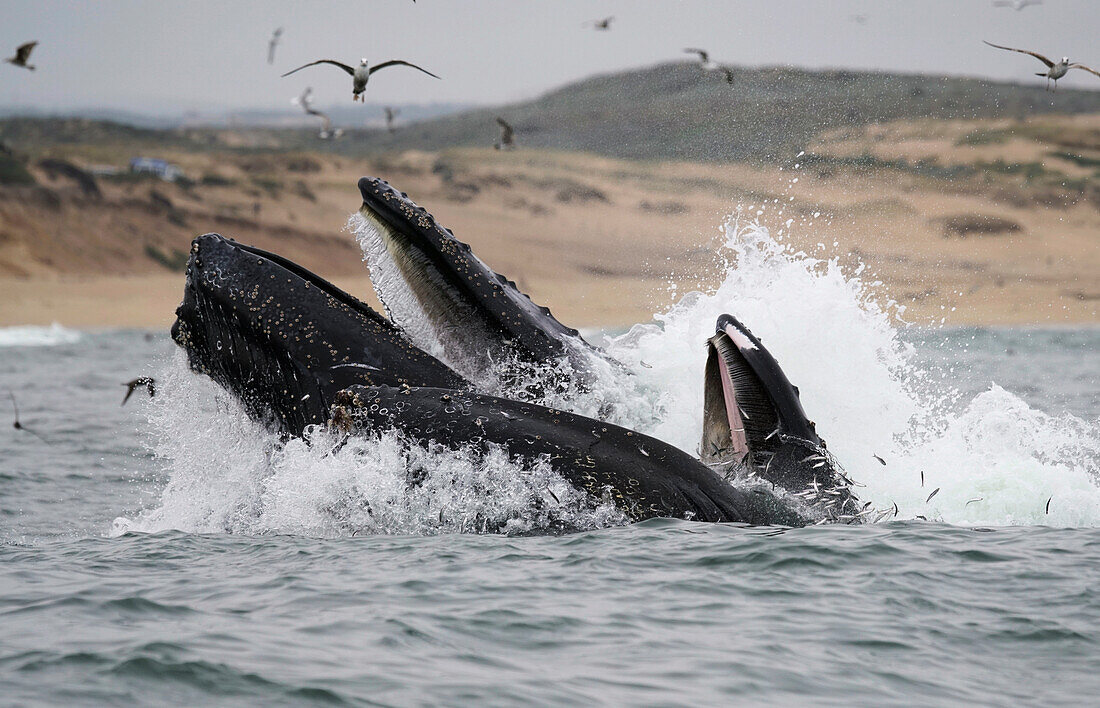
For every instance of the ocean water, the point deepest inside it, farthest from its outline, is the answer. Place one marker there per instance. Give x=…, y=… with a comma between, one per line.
x=169, y=552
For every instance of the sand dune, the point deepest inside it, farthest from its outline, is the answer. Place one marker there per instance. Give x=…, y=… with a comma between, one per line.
x=987, y=222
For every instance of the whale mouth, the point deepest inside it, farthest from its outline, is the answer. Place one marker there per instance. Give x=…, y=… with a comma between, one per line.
x=754, y=424
x=447, y=299
x=283, y=340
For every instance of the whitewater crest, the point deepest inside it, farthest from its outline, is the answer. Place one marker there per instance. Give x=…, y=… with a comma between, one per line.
x=36, y=336
x=992, y=458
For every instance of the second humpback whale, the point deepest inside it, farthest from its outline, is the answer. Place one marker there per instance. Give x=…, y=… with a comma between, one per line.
x=453, y=304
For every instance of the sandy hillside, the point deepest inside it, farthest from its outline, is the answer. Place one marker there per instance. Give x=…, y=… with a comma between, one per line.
x=991, y=222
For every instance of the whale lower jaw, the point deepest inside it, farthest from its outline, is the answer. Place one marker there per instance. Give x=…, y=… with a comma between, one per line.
x=418, y=297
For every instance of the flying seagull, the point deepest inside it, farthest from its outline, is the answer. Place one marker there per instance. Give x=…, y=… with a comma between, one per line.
x=391, y=116
x=22, y=54
x=148, y=382
x=704, y=58
x=1016, y=5
x=272, y=43
x=507, y=136
x=708, y=65
x=1055, y=71
x=19, y=426
x=361, y=74
x=601, y=25
x=306, y=102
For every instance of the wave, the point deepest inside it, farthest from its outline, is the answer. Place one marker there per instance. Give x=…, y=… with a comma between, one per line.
x=37, y=336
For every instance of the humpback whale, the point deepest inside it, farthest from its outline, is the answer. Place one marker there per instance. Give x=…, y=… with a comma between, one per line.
x=455, y=305
x=299, y=352
x=283, y=340
x=642, y=476
x=754, y=424
x=448, y=300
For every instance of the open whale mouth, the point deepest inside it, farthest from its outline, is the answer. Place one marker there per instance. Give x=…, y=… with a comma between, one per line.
x=753, y=422
x=283, y=340
x=445, y=297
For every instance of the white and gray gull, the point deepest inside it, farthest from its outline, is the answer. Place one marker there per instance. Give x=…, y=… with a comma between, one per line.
x=1055, y=70
x=362, y=73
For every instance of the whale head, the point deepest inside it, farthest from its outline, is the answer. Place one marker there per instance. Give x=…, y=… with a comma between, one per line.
x=448, y=300
x=753, y=423
x=283, y=340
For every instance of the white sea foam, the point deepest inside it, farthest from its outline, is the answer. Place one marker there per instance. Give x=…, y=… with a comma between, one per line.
x=994, y=460
x=241, y=479
x=859, y=383
x=36, y=336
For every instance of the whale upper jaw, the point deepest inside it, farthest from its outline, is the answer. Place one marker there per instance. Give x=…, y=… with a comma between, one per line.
x=283, y=340
x=448, y=299
x=754, y=424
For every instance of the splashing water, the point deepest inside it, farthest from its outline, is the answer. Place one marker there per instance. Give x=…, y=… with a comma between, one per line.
x=249, y=482
x=993, y=459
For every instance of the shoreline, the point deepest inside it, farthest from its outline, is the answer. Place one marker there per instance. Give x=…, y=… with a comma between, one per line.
x=148, y=302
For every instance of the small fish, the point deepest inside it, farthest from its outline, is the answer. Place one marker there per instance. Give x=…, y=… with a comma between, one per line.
x=934, y=493
x=971, y=501
x=922, y=518
x=743, y=413
x=772, y=435
x=880, y=460
x=1048, y=504
x=647, y=366
x=553, y=495
x=895, y=509
x=922, y=479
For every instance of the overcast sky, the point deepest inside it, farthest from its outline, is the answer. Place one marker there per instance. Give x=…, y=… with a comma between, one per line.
x=167, y=57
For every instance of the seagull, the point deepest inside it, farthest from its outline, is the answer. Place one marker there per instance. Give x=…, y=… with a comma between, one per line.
x=361, y=74
x=708, y=65
x=391, y=116
x=306, y=102
x=704, y=58
x=272, y=43
x=1055, y=71
x=601, y=25
x=148, y=382
x=507, y=136
x=1016, y=5
x=19, y=426
x=22, y=54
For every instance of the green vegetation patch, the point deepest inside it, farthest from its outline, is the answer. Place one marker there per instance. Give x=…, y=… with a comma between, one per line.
x=176, y=260
x=13, y=171
x=1082, y=160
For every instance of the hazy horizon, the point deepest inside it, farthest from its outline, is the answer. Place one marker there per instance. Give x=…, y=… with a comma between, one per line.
x=164, y=59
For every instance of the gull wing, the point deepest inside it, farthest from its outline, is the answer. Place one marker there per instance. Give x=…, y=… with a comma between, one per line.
x=1038, y=56
x=1082, y=66
x=398, y=62
x=345, y=67
x=23, y=53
